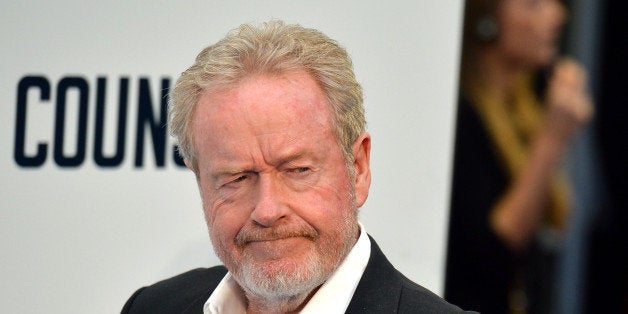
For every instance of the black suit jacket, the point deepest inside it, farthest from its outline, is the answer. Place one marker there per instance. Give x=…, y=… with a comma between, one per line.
x=382, y=289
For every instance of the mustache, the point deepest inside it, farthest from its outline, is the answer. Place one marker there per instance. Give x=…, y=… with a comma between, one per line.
x=251, y=233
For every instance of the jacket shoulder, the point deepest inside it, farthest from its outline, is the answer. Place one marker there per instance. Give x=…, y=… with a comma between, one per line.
x=383, y=289
x=179, y=294
x=417, y=299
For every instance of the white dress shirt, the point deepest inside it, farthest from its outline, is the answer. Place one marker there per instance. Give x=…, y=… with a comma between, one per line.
x=332, y=297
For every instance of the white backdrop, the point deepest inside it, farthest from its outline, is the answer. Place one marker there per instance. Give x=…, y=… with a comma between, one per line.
x=78, y=237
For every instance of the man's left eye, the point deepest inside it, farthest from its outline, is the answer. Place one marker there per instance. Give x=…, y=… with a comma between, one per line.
x=299, y=170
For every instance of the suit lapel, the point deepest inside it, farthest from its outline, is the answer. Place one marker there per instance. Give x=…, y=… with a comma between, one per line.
x=379, y=288
x=209, y=285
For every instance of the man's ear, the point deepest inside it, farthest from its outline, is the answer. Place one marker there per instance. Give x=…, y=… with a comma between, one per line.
x=362, y=167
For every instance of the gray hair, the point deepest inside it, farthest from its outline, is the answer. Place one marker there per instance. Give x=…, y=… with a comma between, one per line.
x=271, y=48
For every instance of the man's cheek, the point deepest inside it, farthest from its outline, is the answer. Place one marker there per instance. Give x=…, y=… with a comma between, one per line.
x=219, y=239
x=224, y=227
x=215, y=208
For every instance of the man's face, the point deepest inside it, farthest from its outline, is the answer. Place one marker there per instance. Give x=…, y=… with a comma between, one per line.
x=279, y=201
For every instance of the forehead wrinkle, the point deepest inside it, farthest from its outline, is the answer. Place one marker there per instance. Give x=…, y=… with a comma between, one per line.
x=268, y=136
x=288, y=145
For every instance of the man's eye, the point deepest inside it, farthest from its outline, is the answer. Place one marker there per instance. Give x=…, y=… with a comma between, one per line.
x=299, y=170
x=240, y=179
x=237, y=180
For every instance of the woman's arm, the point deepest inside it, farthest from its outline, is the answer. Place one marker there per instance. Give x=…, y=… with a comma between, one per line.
x=518, y=214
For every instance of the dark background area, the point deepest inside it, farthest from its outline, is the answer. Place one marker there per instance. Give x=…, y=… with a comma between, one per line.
x=607, y=270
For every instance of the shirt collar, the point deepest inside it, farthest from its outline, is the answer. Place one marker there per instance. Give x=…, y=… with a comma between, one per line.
x=332, y=297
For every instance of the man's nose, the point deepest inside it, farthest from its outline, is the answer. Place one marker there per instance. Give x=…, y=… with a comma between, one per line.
x=269, y=205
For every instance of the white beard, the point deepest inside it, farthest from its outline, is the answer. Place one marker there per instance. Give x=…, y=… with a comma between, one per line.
x=283, y=286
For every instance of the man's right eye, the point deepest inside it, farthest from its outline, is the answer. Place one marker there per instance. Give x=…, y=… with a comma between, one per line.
x=240, y=178
x=236, y=180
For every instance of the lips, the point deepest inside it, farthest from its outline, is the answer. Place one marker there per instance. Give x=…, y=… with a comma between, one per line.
x=257, y=234
x=270, y=239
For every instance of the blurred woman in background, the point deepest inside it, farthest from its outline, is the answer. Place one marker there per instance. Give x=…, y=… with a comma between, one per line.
x=519, y=108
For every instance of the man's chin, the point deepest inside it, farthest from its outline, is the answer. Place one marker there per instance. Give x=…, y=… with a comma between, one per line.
x=281, y=278
x=289, y=268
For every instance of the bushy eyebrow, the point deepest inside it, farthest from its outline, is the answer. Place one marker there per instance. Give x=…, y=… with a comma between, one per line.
x=219, y=173
x=290, y=158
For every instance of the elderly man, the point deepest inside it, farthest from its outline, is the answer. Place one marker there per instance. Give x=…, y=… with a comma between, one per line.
x=271, y=121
